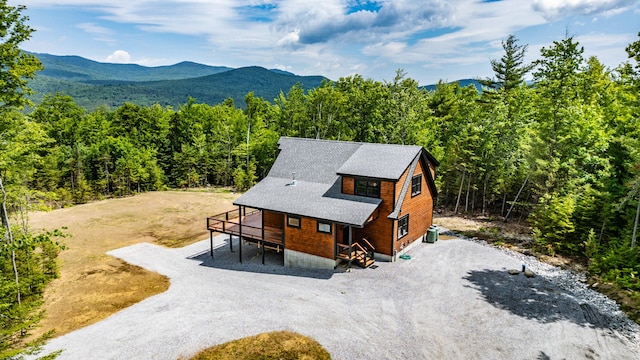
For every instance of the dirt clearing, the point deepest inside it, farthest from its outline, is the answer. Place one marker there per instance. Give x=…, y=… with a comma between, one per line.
x=93, y=285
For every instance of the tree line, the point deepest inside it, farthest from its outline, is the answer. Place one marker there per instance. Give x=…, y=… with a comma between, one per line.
x=562, y=152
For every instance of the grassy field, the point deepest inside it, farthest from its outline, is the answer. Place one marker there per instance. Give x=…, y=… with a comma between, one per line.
x=93, y=285
x=278, y=345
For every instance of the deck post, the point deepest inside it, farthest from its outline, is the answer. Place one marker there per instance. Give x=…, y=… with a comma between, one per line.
x=211, y=242
x=335, y=241
x=231, y=242
x=240, y=231
x=262, y=214
x=350, y=245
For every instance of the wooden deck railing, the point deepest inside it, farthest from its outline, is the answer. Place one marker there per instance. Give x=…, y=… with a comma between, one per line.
x=252, y=227
x=219, y=222
x=344, y=252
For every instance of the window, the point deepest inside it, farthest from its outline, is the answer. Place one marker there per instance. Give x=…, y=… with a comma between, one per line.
x=293, y=221
x=324, y=227
x=370, y=188
x=416, y=185
x=403, y=226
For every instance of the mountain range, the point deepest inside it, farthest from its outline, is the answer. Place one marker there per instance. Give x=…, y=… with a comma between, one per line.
x=93, y=84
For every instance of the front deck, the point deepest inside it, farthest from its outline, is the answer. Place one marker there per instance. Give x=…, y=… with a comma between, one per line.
x=248, y=226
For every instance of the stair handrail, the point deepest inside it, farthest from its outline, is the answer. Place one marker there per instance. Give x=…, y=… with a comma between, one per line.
x=357, y=245
x=365, y=253
x=368, y=244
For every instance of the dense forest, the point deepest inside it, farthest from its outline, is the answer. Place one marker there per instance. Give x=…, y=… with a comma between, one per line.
x=562, y=153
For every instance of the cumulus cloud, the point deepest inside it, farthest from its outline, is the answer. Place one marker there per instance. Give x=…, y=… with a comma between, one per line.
x=291, y=39
x=119, y=57
x=328, y=37
x=556, y=9
x=332, y=20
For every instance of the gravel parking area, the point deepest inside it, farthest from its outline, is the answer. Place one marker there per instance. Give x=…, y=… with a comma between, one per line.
x=452, y=300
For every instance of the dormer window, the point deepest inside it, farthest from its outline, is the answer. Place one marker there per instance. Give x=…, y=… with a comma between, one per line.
x=369, y=188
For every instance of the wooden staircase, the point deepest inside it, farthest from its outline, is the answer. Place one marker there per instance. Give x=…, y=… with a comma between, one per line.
x=360, y=252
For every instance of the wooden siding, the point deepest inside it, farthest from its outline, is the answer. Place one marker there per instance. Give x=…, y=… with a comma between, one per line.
x=382, y=232
x=348, y=185
x=273, y=219
x=419, y=208
x=378, y=232
x=308, y=240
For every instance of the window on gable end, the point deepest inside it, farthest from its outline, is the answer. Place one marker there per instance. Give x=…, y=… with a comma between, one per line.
x=403, y=226
x=416, y=185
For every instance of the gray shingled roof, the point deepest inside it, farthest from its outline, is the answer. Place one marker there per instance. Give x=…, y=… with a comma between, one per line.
x=314, y=200
x=382, y=161
x=318, y=165
x=312, y=160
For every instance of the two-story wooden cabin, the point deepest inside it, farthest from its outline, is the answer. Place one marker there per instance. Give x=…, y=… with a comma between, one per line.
x=328, y=201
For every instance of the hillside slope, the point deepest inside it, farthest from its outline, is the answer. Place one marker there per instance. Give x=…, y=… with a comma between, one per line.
x=93, y=84
x=76, y=68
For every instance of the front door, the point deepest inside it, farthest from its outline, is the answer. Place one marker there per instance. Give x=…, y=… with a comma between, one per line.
x=345, y=235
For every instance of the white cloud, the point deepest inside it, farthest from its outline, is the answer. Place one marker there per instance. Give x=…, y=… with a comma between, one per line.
x=609, y=49
x=151, y=62
x=329, y=37
x=282, y=67
x=475, y=38
x=94, y=29
x=291, y=39
x=119, y=57
x=100, y=33
x=556, y=9
x=325, y=21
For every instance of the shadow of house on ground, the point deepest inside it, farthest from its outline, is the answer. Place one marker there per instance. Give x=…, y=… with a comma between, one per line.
x=536, y=299
x=224, y=258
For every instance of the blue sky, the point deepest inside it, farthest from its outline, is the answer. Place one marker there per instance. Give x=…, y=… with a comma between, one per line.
x=429, y=39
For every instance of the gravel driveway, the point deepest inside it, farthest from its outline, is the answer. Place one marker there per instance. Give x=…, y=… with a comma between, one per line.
x=451, y=300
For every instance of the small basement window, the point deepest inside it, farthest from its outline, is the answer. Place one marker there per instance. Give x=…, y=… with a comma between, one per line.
x=403, y=226
x=293, y=221
x=369, y=188
x=324, y=227
x=416, y=185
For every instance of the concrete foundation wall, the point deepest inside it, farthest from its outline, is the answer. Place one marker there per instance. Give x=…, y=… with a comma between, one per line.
x=384, y=257
x=298, y=259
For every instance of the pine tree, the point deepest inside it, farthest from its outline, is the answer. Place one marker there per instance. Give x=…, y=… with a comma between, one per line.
x=511, y=68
